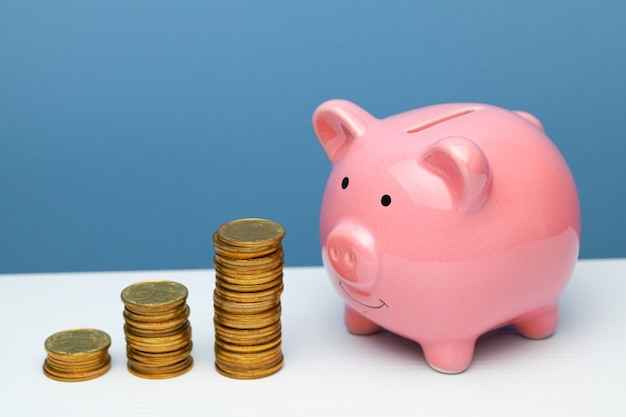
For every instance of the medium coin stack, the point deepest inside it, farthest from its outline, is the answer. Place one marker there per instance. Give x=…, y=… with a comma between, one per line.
x=248, y=284
x=77, y=355
x=157, y=329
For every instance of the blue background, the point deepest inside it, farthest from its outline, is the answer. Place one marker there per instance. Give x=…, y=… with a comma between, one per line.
x=130, y=130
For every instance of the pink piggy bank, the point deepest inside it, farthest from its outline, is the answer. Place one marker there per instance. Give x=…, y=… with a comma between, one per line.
x=443, y=223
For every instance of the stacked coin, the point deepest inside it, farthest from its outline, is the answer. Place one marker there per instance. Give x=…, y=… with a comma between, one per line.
x=77, y=355
x=157, y=329
x=248, y=284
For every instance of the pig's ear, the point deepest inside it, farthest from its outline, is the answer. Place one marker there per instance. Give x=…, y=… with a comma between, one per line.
x=464, y=168
x=336, y=122
x=530, y=118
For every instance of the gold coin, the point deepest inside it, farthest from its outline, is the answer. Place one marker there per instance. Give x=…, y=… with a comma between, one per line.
x=258, y=347
x=160, y=368
x=157, y=327
x=244, y=246
x=234, y=366
x=275, y=289
x=256, y=290
x=249, y=277
x=172, y=346
x=163, y=338
x=182, y=326
x=245, y=250
x=60, y=364
x=247, y=341
x=76, y=343
x=159, y=358
x=241, y=334
x=255, y=260
x=228, y=286
x=158, y=355
x=254, y=297
x=271, y=282
x=236, y=360
x=251, y=342
x=242, y=308
x=154, y=296
x=234, y=332
x=152, y=333
x=162, y=375
x=79, y=367
x=76, y=359
x=159, y=364
x=249, y=317
x=159, y=348
x=146, y=316
x=249, y=324
x=250, y=232
x=243, y=254
x=257, y=264
x=274, y=268
x=69, y=376
x=244, y=368
x=250, y=373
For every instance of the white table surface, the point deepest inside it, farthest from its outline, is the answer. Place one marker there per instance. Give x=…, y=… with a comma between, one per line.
x=581, y=370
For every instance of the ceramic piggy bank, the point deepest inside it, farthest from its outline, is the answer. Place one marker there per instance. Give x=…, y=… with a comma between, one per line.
x=443, y=223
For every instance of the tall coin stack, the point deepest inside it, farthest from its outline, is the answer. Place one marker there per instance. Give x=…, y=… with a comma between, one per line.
x=248, y=284
x=157, y=329
x=77, y=355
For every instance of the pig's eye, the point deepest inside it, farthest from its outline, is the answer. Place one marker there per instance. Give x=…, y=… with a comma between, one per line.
x=344, y=182
x=385, y=200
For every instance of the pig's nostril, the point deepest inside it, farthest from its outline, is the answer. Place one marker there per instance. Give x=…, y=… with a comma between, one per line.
x=349, y=259
x=334, y=253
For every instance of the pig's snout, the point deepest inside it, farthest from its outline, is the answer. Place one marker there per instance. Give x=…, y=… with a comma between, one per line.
x=351, y=252
x=342, y=257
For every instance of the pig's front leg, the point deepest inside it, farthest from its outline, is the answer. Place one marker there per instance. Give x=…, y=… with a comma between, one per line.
x=356, y=323
x=449, y=357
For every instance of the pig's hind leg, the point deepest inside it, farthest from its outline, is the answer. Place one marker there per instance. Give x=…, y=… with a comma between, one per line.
x=538, y=324
x=356, y=323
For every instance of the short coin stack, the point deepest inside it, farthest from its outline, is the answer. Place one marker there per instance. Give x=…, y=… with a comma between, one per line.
x=248, y=284
x=157, y=329
x=77, y=355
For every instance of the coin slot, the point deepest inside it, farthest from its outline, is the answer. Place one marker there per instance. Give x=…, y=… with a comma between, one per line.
x=442, y=119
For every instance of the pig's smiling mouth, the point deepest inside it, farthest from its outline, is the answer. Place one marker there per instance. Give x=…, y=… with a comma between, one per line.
x=382, y=303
